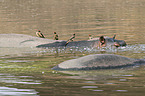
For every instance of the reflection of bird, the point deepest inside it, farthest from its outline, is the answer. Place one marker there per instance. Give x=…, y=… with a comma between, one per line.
x=39, y=34
x=55, y=36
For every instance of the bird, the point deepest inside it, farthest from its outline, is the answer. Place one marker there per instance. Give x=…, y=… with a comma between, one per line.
x=90, y=37
x=71, y=39
x=55, y=36
x=39, y=34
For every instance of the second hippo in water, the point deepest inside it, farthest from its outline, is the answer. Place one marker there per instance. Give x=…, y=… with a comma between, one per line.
x=98, y=61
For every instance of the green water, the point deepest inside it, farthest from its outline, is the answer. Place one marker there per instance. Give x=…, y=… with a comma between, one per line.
x=27, y=71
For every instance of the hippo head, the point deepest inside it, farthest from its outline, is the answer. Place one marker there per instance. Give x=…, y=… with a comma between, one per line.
x=111, y=41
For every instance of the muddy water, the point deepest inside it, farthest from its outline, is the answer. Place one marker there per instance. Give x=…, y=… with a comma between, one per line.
x=27, y=71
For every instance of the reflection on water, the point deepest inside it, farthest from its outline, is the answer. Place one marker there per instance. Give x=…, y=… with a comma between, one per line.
x=89, y=87
x=121, y=90
x=9, y=80
x=7, y=91
x=116, y=81
x=98, y=90
x=6, y=78
x=16, y=61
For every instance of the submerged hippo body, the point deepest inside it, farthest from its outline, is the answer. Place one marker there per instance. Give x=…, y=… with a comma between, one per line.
x=84, y=43
x=98, y=61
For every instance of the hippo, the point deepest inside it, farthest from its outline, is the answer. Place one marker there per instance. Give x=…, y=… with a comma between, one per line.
x=83, y=43
x=21, y=40
x=98, y=61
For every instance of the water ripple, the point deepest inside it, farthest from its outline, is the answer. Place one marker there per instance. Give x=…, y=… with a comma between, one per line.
x=138, y=48
x=6, y=78
x=90, y=87
x=6, y=91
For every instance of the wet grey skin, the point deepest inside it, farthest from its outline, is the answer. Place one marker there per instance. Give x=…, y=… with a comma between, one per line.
x=98, y=61
x=84, y=43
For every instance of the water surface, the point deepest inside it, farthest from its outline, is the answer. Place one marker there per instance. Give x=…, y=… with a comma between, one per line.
x=27, y=71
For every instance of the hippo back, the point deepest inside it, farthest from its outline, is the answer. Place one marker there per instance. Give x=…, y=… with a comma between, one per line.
x=96, y=61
